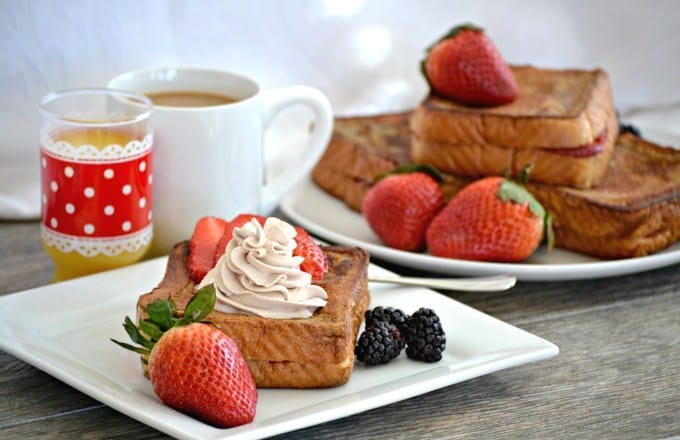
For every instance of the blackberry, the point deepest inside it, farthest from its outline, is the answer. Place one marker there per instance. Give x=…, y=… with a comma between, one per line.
x=390, y=315
x=425, y=338
x=378, y=344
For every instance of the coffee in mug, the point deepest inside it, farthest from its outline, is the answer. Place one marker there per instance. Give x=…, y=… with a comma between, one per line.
x=189, y=99
x=208, y=157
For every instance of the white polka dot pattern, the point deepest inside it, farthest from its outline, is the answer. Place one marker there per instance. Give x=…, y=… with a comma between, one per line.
x=102, y=201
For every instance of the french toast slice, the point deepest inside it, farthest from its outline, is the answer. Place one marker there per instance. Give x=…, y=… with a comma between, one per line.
x=561, y=118
x=360, y=149
x=635, y=210
x=554, y=109
x=316, y=352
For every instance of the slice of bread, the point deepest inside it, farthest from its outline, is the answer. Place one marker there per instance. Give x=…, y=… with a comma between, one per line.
x=635, y=210
x=288, y=353
x=548, y=164
x=557, y=115
x=554, y=109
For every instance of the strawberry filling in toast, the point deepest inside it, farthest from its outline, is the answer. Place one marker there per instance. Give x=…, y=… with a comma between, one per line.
x=588, y=150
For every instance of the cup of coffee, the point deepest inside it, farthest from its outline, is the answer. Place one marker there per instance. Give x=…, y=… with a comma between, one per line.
x=209, y=127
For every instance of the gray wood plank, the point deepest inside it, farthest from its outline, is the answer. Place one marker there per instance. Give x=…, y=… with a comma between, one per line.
x=27, y=393
x=94, y=423
x=25, y=264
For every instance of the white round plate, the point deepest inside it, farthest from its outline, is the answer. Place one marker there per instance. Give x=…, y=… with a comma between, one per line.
x=329, y=218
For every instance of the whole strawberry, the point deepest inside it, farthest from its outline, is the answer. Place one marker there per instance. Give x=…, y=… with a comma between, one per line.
x=492, y=219
x=399, y=208
x=315, y=259
x=194, y=367
x=466, y=67
x=199, y=370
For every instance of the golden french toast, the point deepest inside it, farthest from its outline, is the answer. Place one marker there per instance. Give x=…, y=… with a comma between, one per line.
x=635, y=210
x=564, y=117
x=311, y=352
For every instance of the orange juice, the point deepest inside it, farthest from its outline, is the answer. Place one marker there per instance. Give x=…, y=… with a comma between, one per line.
x=96, y=198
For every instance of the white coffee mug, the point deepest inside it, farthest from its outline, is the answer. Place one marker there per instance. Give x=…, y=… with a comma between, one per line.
x=209, y=160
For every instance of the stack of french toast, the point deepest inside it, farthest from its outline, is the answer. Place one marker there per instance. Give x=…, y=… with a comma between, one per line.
x=611, y=195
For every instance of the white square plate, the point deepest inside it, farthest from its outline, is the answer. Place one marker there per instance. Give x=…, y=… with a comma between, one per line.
x=71, y=323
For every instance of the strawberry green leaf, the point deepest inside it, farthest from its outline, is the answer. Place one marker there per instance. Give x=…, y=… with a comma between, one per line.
x=549, y=231
x=132, y=331
x=201, y=304
x=160, y=313
x=173, y=306
x=413, y=168
x=526, y=172
x=423, y=70
x=140, y=350
x=514, y=192
x=455, y=31
x=163, y=316
x=151, y=329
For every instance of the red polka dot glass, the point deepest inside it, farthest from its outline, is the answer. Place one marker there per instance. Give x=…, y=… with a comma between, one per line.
x=96, y=178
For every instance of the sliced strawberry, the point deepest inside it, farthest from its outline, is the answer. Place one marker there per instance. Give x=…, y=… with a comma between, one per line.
x=202, y=246
x=228, y=234
x=316, y=262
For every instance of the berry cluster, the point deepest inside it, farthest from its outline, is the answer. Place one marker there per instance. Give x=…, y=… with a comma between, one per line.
x=389, y=330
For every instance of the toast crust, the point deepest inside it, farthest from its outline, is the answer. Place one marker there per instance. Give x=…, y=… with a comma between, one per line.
x=554, y=109
x=288, y=353
x=635, y=210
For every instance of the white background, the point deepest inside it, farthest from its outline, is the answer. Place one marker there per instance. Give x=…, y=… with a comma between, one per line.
x=363, y=55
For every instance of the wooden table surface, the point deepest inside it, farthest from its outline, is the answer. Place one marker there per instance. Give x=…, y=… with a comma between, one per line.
x=617, y=374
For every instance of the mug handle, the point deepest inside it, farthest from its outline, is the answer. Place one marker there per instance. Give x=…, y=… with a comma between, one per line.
x=273, y=103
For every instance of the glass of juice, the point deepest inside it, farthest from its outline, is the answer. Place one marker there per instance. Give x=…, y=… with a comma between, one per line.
x=96, y=179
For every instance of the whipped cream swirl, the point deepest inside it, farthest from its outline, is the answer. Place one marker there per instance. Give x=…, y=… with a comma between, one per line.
x=259, y=275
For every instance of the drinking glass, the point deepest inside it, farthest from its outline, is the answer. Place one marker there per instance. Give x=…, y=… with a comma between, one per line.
x=96, y=178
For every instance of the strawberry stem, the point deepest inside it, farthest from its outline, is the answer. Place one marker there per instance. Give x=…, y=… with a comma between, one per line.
x=549, y=232
x=510, y=191
x=163, y=316
x=455, y=31
x=526, y=172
